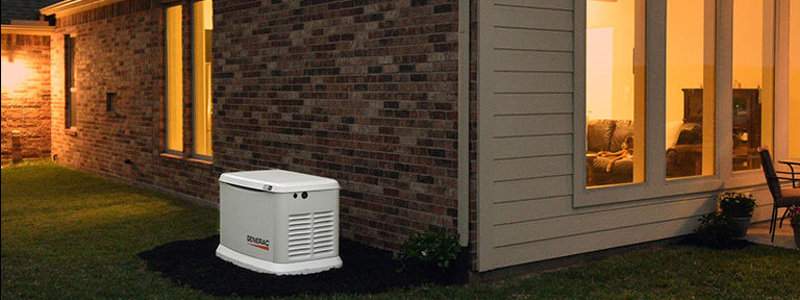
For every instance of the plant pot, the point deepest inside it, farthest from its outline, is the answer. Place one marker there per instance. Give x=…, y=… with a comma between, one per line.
x=796, y=227
x=741, y=225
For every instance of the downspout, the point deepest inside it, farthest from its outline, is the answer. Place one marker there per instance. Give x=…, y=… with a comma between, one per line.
x=463, y=121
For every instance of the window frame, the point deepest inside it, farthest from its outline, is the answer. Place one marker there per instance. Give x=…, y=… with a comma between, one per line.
x=656, y=184
x=166, y=118
x=782, y=94
x=194, y=83
x=712, y=84
x=753, y=177
x=70, y=91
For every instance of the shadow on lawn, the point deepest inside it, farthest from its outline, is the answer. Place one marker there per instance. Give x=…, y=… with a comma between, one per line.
x=366, y=270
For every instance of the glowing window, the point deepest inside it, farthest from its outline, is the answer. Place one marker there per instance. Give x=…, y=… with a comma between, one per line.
x=174, y=101
x=202, y=26
x=794, y=79
x=615, y=92
x=753, y=80
x=690, y=88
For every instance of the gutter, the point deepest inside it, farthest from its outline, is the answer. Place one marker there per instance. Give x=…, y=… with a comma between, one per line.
x=27, y=29
x=463, y=121
x=68, y=7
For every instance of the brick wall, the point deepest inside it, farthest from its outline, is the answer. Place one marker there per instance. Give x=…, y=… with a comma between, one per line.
x=119, y=49
x=361, y=91
x=25, y=97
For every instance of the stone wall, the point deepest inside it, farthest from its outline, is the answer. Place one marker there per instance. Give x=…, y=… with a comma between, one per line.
x=25, y=97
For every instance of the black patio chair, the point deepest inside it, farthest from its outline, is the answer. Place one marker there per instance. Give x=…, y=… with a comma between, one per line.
x=783, y=197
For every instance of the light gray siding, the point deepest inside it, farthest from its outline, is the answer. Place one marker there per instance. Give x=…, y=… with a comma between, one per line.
x=526, y=153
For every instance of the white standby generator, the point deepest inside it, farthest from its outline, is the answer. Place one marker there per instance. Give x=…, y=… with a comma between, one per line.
x=279, y=222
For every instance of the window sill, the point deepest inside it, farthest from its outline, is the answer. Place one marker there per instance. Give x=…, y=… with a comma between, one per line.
x=611, y=195
x=201, y=161
x=171, y=155
x=746, y=179
x=72, y=131
x=193, y=160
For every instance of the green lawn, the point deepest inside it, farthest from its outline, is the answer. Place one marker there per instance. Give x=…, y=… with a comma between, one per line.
x=66, y=234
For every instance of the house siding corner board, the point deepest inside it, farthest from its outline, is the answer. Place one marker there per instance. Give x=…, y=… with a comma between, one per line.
x=363, y=92
x=473, y=134
x=525, y=187
x=25, y=97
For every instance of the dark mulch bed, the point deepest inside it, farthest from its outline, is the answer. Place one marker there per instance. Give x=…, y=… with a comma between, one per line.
x=697, y=241
x=366, y=270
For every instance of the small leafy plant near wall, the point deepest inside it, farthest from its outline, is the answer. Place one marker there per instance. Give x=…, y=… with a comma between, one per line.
x=716, y=230
x=434, y=248
x=433, y=253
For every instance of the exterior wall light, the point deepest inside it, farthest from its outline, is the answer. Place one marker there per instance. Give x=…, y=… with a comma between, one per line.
x=14, y=73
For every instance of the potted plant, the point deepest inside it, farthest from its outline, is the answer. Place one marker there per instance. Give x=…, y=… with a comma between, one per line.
x=739, y=207
x=794, y=216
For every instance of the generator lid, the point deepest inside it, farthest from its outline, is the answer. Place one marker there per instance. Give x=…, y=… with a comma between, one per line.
x=279, y=181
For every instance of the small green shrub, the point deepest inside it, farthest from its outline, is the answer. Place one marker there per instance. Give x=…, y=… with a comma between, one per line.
x=433, y=248
x=716, y=230
x=736, y=204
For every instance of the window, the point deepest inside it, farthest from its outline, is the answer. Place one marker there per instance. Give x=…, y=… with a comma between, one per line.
x=111, y=98
x=202, y=26
x=174, y=62
x=690, y=97
x=615, y=92
x=615, y=102
x=753, y=76
x=690, y=88
x=794, y=79
x=70, y=109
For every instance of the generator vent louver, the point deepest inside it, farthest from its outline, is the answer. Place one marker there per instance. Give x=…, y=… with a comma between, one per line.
x=310, y=234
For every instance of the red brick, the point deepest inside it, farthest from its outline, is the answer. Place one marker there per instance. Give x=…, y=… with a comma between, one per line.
x=26, y=104
x=363, y=92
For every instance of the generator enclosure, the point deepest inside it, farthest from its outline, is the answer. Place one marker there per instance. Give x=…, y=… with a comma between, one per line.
x=279, y=222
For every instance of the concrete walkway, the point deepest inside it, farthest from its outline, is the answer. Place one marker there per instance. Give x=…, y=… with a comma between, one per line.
x=784, y=237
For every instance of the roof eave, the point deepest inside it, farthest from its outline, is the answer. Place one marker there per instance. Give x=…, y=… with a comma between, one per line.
x=68, y=7
x=24, y=29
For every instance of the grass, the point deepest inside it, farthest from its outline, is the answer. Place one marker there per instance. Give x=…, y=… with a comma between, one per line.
x=70, y=235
